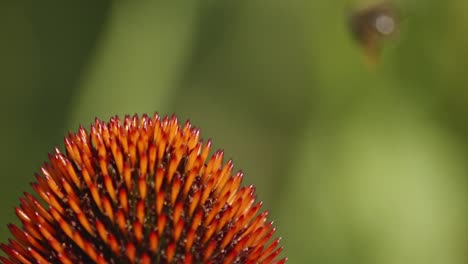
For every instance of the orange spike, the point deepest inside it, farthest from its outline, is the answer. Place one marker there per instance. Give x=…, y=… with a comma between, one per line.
x=228, y=237
x=63, y=259
x=235, y=207
x=101, y=259
x=271, y=230
x=37, y=256
x=237, y=180
x=159, y=202
x=246, y=205
x=193, y=140
x=157, y=128
x=82, y=218
x=121, y=220
x=241, y=244
x=174, y=163
x=86, y=176
x=123, y=199
x=209, y=167
x=266, y=233
x=259, y=220
x=196, y=221
x=37, y=188
x=152, y=157
x=24, y=237
x=143, y=164
x=119, y=161
x=226, y=216
x=88, y=165
x=161, y=148
x=54, y=203
x=282, y=261
x=138, y=230
x=24, y=217
x=114, y=150
x=32, y=230
x=145, y=259
x=38, y=207
x=189, y=239
x=53, y=242
x=123, y=140
x=175, y=188
x=219, y=156
x=192, y=157
x=172, y=127
x=108, y=208
x=188, y=258
x=72, y=150
x=170, y=252
x=127, y=175
x=142, y=187
x=78, y=239
x=103, y=165
x=210, y=231
x=209, y=250
x=105, y=133
x=101, y=230
x=189, y=181
x=72, y=173
x=230, y=257
x=13, y=254
x=17, y=247
x=109, y=184
x=67, y=187
x=96, y=196
x=178, y=227
x=162, y=219
x=253, y=237
x=195, y=199
x=186, y=128
x=52, y=185
x=204, y=153
x=159, y=178
x=140, y=211
x=141, y=144
x=113, y=243
x=207, y=191
x=249, y=215
x=268, y=256
x=216, y=209
x=153, y=241
x=240, y=200
x=95, y=136
x=132, y=153
x=178, y=210
x=224, y=177
x=130, y=250
x=84, y=141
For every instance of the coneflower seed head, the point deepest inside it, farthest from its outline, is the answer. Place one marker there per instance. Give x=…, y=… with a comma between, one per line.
x=140, y=191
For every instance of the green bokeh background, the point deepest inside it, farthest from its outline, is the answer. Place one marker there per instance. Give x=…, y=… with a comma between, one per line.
x=356, y=164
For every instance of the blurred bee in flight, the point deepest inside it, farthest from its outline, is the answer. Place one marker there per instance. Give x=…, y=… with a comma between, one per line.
x=371, y=25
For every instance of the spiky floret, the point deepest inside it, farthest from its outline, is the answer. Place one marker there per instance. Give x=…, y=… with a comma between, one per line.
x=140, y=191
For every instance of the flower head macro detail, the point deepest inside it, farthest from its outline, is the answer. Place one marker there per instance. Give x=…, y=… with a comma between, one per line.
x=140, y=190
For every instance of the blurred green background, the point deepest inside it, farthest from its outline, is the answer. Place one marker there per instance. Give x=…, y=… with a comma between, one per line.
x=357, y=164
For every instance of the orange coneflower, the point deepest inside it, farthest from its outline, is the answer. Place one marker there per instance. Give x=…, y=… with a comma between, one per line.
x=140, y=191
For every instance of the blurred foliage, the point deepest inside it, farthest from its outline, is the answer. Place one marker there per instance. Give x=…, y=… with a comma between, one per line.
x=357, y=164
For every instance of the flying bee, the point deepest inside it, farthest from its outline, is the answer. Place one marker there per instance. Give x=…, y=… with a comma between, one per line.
x=373, y=24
